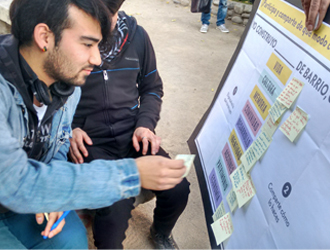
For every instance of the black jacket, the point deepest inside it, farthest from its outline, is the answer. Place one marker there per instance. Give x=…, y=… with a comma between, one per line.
x=124, y=94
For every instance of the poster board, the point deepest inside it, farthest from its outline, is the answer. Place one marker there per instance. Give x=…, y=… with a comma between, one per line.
x=290, y=207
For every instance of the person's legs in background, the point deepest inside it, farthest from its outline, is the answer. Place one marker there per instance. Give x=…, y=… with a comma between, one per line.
x=205, y=18
x=221, y=15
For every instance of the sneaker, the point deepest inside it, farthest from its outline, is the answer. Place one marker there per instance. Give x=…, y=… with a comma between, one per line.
x=161, y=241
x=204, y=28
x=222, y=28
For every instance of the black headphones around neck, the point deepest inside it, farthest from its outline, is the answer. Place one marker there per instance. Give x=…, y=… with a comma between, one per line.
x=45, y=95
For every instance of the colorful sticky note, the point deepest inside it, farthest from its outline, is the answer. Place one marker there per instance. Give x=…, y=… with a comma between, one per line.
x=290, y=92
x=294, y=124
x=232, y=200
x=276, y=111
x=245, y=192
x=261, y=144
x=219, y=212
x=249, y=159
x=270, y=127
x=222, y=228
x=238, y=176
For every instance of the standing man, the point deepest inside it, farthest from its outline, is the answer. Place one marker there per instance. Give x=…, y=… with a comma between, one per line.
x=54, y=47
x=221, y=15
x=116, y=118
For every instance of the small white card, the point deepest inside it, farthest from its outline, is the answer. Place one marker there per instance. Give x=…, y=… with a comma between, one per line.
x=188, y=161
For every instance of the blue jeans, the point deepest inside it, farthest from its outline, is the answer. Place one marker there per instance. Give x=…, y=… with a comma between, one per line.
x=222, y=12
x=21, y=231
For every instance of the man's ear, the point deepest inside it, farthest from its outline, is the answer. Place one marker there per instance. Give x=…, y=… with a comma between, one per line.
x=43, y=36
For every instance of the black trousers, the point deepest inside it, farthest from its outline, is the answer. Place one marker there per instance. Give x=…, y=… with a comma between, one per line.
x=110, y=223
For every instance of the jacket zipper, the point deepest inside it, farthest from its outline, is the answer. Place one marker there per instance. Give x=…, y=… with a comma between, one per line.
x=106, y=78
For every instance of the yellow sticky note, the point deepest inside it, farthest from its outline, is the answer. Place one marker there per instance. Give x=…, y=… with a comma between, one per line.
x=245, y=192
x=276, y=111
x=294, y=124
x=249, y=159
x=270, y=127
x=261, y=144
x=290, y=92
x=232, y=200
x=238, y=176
x=219, y=212
x=222, y=228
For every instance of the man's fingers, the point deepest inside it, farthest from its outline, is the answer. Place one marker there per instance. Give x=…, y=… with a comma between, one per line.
x=82, y=149
x=160, y=173
x=75, y=153
x=171, y=181
x=77, y=147
x=57, y=230
x=145, y=143
x=176, y=164
x=52, y=217
x=305, y=5
x=136, y=144
x=314, y=7
x=72, y=156
x=323, y=11
x=40, y=218
x=86, y=138
x=155, y=144
x=176, y=172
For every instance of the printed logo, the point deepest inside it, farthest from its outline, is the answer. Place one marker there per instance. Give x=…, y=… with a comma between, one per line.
x=132, y=59
x=286, y=190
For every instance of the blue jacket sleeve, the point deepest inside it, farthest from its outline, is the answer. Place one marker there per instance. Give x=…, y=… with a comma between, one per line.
x=29, y=186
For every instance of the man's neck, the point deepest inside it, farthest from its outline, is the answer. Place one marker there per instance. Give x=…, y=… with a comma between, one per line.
x=34, y=59
x=36, y=102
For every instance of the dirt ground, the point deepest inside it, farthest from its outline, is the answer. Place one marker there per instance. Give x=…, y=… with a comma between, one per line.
x=191, y=65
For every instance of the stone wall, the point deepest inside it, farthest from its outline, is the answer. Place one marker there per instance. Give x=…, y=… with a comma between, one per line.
x=238, y=13
x=4, y=16
x=4, y=28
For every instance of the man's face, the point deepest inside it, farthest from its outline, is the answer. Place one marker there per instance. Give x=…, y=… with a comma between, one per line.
x=74, y=57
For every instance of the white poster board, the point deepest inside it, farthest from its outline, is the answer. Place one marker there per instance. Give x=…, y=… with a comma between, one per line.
x=291, y=180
